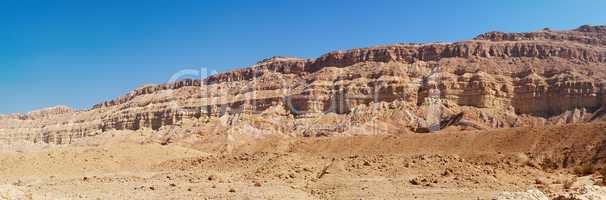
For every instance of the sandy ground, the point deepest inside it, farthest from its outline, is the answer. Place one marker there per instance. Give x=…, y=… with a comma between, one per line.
x=446, y=165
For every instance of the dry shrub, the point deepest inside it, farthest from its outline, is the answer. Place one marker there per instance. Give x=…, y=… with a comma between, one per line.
x=584, y=170
x=568, y=183
x=549, y=164
x=540, y=181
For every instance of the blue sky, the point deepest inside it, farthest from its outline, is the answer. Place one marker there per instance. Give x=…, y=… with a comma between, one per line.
x=78, y=53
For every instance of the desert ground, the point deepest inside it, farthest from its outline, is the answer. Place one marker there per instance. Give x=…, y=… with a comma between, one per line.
x=489, y=164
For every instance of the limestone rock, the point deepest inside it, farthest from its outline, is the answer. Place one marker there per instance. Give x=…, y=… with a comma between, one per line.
x=497, y=79
x=532, y=194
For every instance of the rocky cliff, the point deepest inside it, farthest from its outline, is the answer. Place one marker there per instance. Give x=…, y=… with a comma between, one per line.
x=495, y=80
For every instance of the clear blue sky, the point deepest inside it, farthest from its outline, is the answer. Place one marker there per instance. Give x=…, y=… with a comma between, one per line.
x=78, y=53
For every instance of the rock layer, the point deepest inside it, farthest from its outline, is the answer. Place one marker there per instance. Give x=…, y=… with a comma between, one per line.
x=496, y=80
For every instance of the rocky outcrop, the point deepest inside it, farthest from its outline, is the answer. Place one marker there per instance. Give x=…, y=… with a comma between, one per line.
x=586, y=34
x=600, y=113
x=532, y=194
x=497, y=80
x=444, y=123
x=583, y=192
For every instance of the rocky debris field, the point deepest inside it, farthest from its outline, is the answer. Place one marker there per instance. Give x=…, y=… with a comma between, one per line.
x=489, y=164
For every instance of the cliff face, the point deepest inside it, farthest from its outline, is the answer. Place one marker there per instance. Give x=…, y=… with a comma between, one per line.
x=495, y=80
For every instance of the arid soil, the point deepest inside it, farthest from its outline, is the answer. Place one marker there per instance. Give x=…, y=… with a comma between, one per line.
x=442, y=165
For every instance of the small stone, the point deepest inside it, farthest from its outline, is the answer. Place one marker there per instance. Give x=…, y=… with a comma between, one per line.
x=232, y=190
x=257, y=184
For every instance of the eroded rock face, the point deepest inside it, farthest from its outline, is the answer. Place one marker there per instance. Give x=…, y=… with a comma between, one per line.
x=495, y=80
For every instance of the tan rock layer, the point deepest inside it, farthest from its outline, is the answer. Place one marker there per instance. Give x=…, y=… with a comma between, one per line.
x=502, y=79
